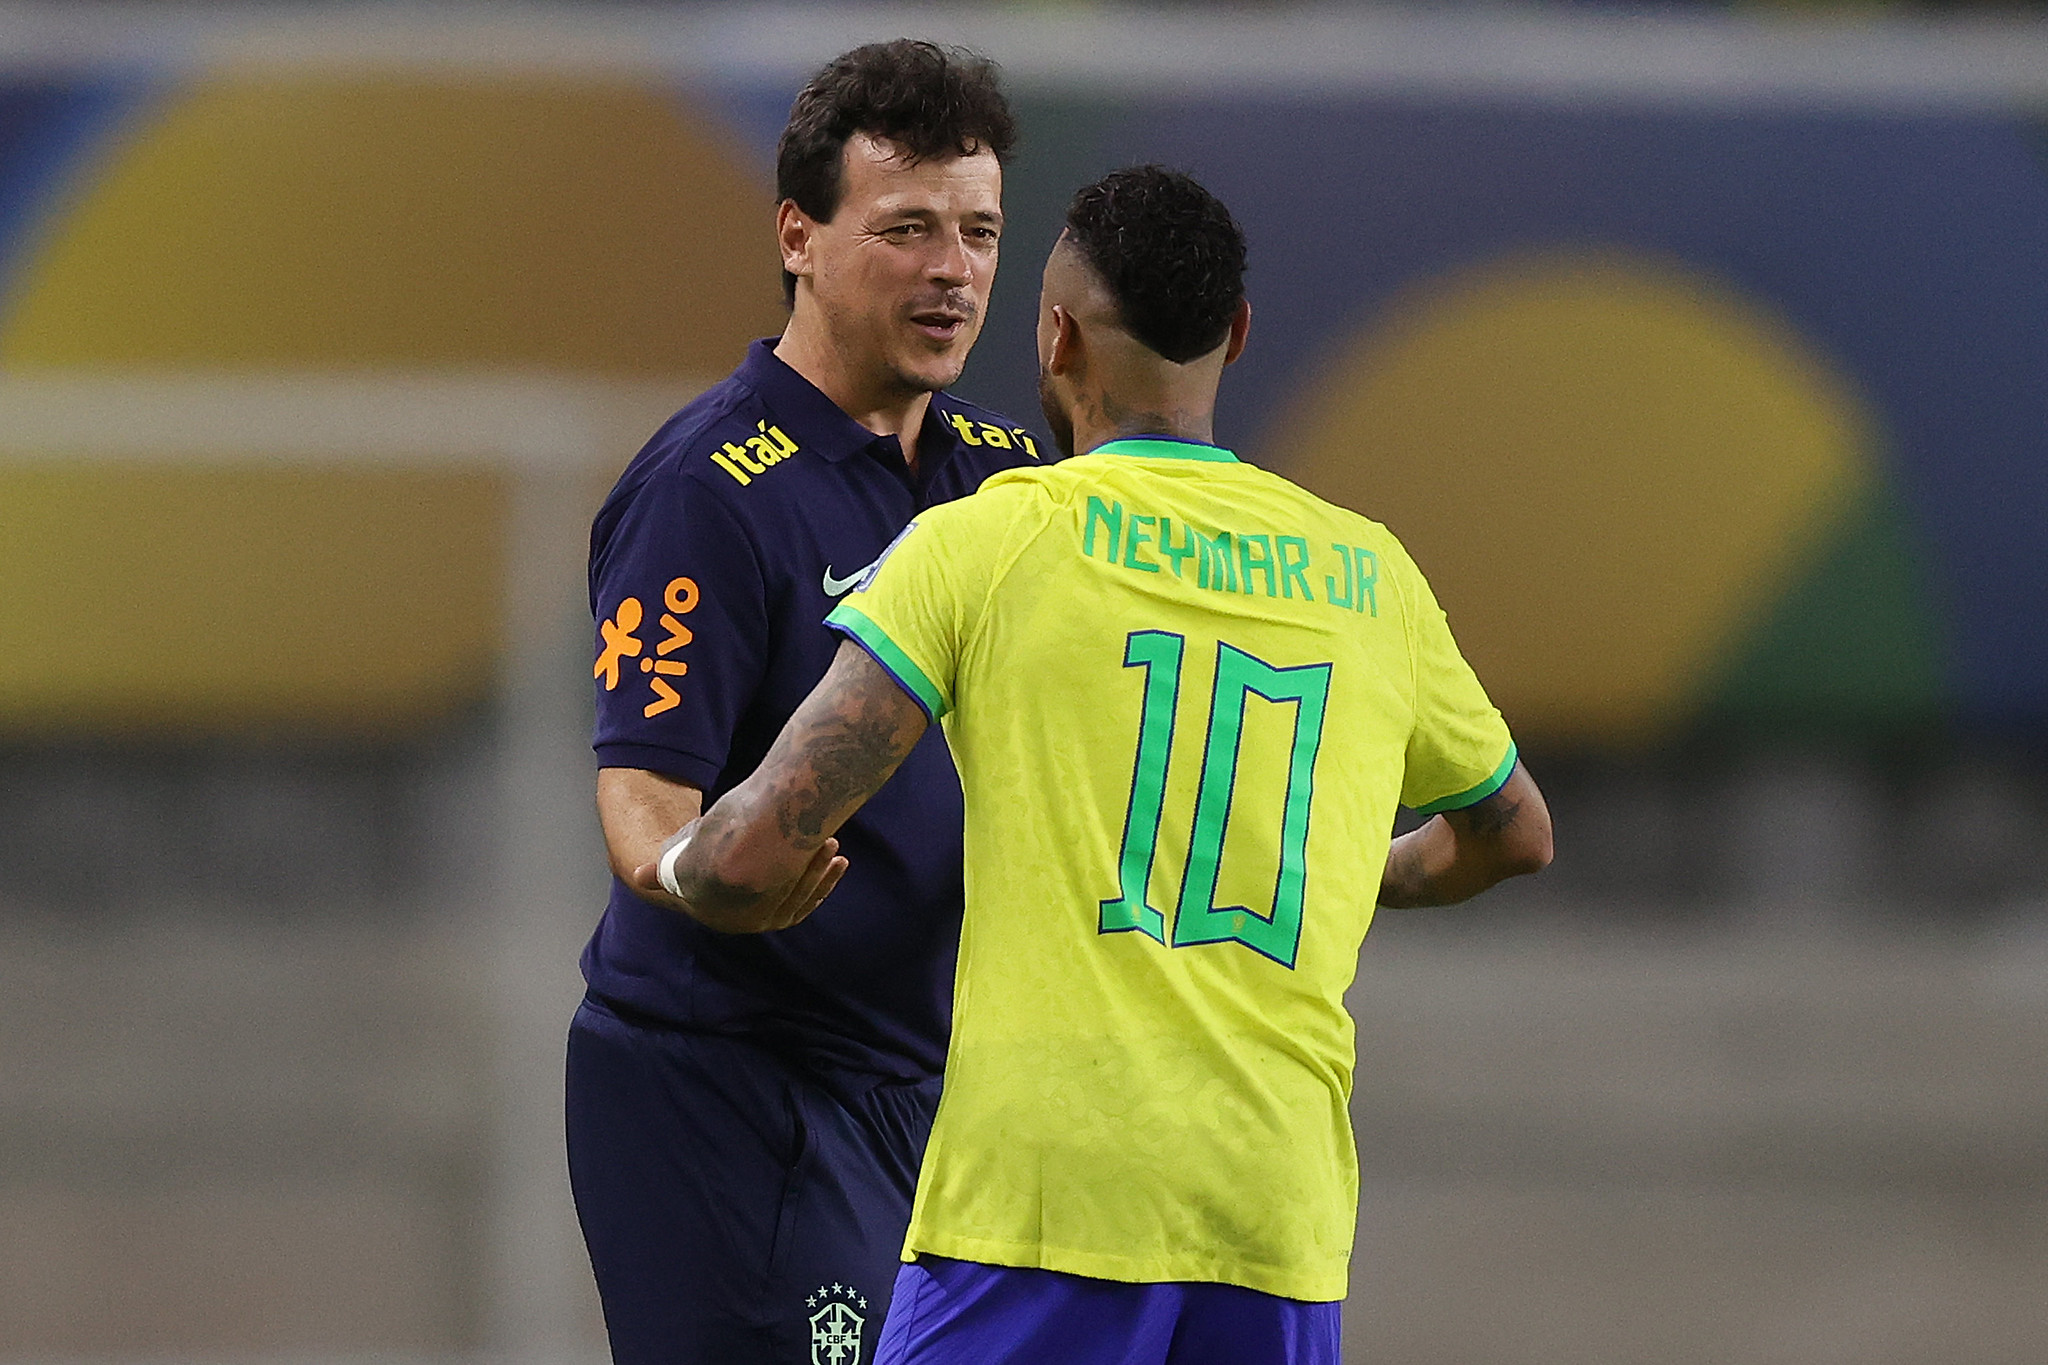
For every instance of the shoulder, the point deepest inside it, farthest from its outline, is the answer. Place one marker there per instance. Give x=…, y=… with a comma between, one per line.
x=713, y=447
x=1380, y=556
x=988, y=527
x=1020, y=491
x=978, y=522
x=1356, y=526
x=989, y=434
x=1388, y=561
x=1069, y=483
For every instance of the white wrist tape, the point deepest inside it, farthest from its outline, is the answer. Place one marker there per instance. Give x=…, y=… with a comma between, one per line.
x=666, y=868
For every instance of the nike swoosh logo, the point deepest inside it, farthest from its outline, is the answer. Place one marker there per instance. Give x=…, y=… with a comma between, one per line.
x=838, y=587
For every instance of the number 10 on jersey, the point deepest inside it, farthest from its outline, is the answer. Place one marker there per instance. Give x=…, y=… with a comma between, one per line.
x=1274, y=932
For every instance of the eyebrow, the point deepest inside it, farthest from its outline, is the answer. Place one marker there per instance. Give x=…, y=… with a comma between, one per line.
x=926, y=211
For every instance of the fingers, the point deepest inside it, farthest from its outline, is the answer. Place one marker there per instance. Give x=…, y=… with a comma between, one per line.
x=831, y=879
x=820, y=875
x=814, y=872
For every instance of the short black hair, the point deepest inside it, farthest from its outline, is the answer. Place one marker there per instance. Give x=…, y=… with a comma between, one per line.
x=1171, y=254
x=931, y=101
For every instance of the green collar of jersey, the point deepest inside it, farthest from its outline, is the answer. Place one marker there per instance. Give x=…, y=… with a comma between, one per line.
x=1165, y=448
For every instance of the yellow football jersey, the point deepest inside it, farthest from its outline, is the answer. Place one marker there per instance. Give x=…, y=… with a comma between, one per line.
x=1185, y=697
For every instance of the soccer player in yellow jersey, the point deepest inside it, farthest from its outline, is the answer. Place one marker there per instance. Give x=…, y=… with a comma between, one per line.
x=1185, y=698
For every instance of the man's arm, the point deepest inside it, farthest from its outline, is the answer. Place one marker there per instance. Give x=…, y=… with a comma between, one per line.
x=763, y=856
x=1460, y=853
x=640, y=811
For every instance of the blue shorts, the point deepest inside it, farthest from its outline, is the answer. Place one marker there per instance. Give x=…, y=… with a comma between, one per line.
x=738, y=1210
x=962, y=1313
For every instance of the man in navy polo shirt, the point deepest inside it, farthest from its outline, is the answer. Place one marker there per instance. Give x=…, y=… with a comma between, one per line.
x=746, y=1114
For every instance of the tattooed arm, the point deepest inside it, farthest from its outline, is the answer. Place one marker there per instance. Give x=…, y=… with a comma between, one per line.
x=763, y=856
x=1460, y=853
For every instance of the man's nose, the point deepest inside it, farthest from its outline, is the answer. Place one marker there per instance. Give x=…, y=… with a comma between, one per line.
x=950, y=264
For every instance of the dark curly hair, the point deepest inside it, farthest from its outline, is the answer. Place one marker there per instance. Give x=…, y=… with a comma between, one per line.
x=1171, y=254
x=929, y=100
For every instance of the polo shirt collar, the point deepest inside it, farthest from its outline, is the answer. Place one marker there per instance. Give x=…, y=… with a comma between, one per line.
x=821, y=424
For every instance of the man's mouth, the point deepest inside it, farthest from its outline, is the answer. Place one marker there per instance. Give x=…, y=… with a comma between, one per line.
x=940, y=324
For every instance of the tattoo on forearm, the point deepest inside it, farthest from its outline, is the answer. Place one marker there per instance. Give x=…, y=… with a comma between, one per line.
x=842, y=744
x=846, y=751
x=704, y=891
x=709, y=895
x=850, y=755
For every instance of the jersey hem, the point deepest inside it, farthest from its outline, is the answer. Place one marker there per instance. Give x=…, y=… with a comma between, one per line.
x=1327, y=1285
x=1472, y=796
x=856, y=626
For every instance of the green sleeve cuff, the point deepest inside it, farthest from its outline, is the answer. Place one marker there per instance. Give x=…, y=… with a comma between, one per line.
x=852, y=623
x=1472, y=796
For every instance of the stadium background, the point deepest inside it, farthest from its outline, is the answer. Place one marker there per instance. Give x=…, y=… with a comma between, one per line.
x=1698, y=357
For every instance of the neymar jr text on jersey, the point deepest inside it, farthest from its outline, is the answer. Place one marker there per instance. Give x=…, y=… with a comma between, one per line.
x=1232, y=561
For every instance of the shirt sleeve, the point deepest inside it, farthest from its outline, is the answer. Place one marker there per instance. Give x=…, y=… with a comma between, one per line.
x=1460, y=751
x=918, y=604
x=681, y=630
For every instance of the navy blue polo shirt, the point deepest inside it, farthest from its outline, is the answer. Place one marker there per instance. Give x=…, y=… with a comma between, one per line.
x=712, y=566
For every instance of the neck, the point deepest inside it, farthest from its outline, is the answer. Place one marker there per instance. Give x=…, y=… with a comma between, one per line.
x=1100, y=419
x=869, y=396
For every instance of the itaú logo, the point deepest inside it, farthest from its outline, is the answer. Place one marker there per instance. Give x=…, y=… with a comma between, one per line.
x=759, y=453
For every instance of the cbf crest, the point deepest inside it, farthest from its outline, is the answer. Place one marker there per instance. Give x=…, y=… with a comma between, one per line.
x=838, y=1318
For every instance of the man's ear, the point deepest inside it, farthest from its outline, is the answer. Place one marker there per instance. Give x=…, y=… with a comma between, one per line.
x=1240, y=328
x=793, y=233
x=1066, y=342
